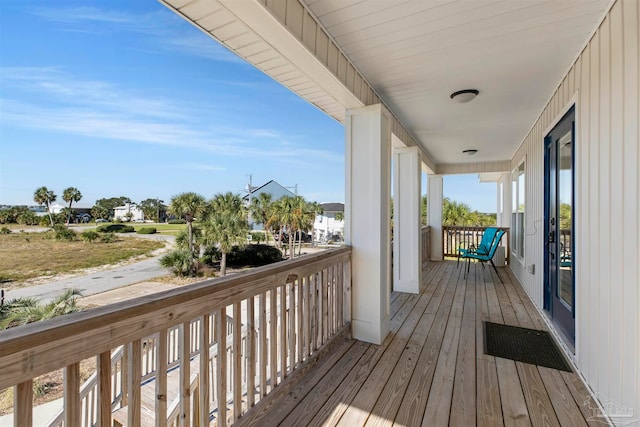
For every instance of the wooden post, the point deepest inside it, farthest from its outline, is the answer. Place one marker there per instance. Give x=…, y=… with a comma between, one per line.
x=263, y=344
x=23, y=404
x=185, y=383
x=251, y=353
x=204, y=366
x=237, y=361
x=103, y=373
x=161, y=379
x=135, y=377
x=221, y=370
x=71, y=380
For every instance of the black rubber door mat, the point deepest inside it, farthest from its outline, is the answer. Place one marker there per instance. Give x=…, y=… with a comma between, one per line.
x=524, y=345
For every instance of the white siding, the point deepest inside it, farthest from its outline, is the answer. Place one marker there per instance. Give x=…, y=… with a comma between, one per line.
x=604, y=82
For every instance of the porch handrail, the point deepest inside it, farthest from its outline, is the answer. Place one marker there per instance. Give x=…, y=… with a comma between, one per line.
x=455, y=237
x=309, y=304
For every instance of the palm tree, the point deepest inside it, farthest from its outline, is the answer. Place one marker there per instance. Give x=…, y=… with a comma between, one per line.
x=285, y=213
x=71, y=195
x=188, y=206
x=261, y=209
x=27, y=310
x=225, y=225
x=339, y=216
x=44, y=196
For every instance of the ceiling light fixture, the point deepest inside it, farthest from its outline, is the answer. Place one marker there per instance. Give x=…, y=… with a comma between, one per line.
x=464, y=96
x=470, y=152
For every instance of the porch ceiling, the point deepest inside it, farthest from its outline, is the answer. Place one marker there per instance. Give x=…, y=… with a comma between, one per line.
x=416, y=53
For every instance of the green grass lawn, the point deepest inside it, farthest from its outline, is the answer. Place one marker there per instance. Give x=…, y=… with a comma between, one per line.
x=163, y=228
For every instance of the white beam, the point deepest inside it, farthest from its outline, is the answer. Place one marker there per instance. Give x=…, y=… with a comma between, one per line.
x=367, y=180
x=434, y=205
x=407, y=248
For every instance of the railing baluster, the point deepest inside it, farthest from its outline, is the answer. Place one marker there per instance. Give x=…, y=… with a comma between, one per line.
x=273, y=337
x=204, y=368
x=237, y=361
x=347, y=291
x=320, y=308
x=283, y=332
x=221, y=371
x=340, y=295
x=251, y=353
x=299, y=321
x=185, y=379
x=325, y=306
x=161, y=379
x=72, y=408
x=306, y=318
x=103, y=374
x=124, y=375
x=135, y=376
x=291, y=327
x=263, y=344
x=23, y=404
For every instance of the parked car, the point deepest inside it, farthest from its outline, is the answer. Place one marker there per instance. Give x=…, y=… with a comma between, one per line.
x=99, y=220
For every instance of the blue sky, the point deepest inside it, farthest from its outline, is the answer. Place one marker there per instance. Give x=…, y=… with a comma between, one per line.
x=124, y=98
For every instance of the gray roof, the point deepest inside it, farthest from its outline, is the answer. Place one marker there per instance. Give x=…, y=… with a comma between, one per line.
x=332, y=207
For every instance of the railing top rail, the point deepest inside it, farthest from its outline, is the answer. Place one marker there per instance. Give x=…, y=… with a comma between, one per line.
x=37, y=348
x=471, y=227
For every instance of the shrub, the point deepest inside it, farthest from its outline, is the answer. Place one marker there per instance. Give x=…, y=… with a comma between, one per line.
x=147, y=230
x=116, y=228
x=108, y=238
x=245, y=256
x=63, y=233
x=257, y=237
x=90, y=236
x=5, y=230
x=177, y=221
x=179, y=262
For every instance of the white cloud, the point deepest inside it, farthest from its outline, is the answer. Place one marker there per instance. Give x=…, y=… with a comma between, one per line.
x=100, y=109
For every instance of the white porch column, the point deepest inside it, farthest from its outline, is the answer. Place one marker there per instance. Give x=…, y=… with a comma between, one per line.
x=407, y=236
x=367, y=163
x=504, y=210
x=434, y=206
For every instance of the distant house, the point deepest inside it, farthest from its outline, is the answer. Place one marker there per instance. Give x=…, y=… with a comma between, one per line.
x=129, y=211
x=326, y=227
x=272, y=187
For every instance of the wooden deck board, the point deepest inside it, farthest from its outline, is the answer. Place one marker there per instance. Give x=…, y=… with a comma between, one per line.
x=431, y=369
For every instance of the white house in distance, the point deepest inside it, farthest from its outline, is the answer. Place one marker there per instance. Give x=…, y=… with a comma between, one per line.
x=122, y=212
x=326, y=225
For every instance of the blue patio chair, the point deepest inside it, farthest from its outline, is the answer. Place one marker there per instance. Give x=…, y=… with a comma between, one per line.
x=485, y=244
x=484, y=257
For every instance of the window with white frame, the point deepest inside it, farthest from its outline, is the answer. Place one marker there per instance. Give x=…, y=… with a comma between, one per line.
x=517, y=212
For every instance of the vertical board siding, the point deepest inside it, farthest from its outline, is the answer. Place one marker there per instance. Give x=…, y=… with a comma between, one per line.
x=604, y=82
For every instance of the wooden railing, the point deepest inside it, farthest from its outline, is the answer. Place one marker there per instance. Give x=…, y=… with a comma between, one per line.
x=273, y=320
x=455, y=237
x=426, y=245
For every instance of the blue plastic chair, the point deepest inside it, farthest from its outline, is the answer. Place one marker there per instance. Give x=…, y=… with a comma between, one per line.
x=484, y=257
x=485, y=244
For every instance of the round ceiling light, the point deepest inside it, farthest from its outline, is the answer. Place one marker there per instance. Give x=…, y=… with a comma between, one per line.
x=470, y=152
x=464, y=96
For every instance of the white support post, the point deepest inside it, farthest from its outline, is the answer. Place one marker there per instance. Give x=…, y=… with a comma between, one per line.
x=367, y=213
x=504, y=220
x=407, y=235
x=435, y=215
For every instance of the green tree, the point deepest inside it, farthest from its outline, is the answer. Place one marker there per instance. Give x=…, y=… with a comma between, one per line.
x=153, y=208
x=339, y=216
x=44, y=196
x=188, y=206
x=225, y=225
x=565, y=216
x=423, y=210
x=261, y=210
x=104, y=208
x=71, y=195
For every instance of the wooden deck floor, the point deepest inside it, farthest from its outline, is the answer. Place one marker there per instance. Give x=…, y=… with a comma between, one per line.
x=431, y=370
